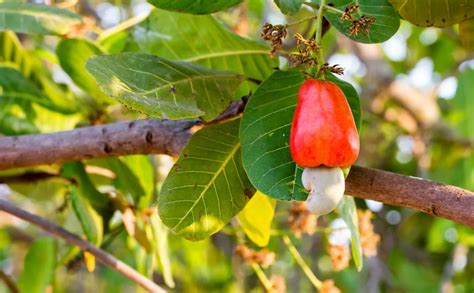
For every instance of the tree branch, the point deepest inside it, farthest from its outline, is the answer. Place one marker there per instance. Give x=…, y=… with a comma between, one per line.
x=434, y=198
x=73, y=239
x=169, y=137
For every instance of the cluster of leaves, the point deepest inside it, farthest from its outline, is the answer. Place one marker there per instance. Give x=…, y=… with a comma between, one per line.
x=178, y=63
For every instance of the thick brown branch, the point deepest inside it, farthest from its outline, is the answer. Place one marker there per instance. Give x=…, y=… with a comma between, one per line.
x=168, y=137
x=424, y=195
x=135, y=137
x=73, y=239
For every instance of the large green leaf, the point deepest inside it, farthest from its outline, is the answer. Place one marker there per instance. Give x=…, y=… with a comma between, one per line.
x=386, y=19
x=265, y=133
x=203, y=40
x=438, y=13
x=289, y=6
x=207, y=186
x=348, y=211
x=193, y=6
x=36, y=18
x=164, y=88
x=38, y=269
x=256, y=218
x=466, y=33
x=73, y=55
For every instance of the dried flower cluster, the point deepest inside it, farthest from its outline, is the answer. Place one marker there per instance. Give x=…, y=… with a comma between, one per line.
x=336, y=69
x=340, y=256
x=278, y=284
x=264, y=257
x=350, y=9
x=361, y=25
x=275, y=35
x=300, y=220
x=369, y=238
x=329, y=287
x=306, y=54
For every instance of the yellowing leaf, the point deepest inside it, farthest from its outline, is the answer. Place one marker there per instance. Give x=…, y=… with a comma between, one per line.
x=89, y=259
x=256, y=218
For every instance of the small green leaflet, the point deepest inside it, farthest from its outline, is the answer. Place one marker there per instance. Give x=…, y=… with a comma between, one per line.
x=207, y=186
x=348, y=211
x=256, y=218
x=265, y=134
x=38, y=269
x=202, y=39
x=386, y=23
x=164, y=88
x=194, y=6
x=33, y=18
x=439, y=13
x=90, y=220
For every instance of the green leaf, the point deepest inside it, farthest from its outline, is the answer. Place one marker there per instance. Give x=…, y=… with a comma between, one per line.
x=76, y=171
x=207, y=186
x=36, y=18
x=202, y=39
x=39, y=265
x=289, y=6
x=14, y=87
x=439, y=13
x=348, y=211
x=386, y=23
x=265, y=134
x=193, y=6
x=164, y=88
x=160, y=236
x=256, y=218
x=466, y=33
x=90, y=220
x=73, y=55
x=17, y=99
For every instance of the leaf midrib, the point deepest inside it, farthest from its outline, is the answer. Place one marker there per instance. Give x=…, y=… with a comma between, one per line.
x=211, y=182
x=226, y=54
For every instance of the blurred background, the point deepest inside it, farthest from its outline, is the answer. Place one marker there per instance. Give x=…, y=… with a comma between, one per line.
x=417, y=94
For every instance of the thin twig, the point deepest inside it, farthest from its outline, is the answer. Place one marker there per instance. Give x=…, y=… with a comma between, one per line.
x=9, y=282
x=267, y=284
x=73, y=239
x=300, y=261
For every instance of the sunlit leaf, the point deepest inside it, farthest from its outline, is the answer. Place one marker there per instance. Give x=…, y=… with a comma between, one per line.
x=256, y=218
x=193, y=6
x=164, y=88
x=202, y=39
x=438, y=13
x=265, y=134
x=348, y=211
x=207, y=186
x=36, y=18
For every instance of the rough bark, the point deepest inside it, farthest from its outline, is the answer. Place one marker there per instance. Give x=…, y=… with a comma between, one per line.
x=151, y=136
x=431, y=197
x=169, y=137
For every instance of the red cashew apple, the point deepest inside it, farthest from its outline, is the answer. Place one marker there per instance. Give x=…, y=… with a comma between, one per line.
x=323, y=138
